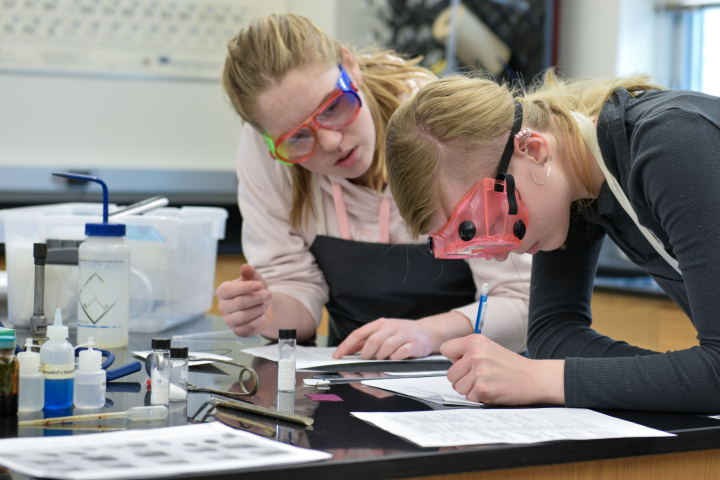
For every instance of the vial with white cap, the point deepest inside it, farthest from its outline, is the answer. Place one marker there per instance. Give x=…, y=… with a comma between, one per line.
x=57, y=357
x=90, y=379
x=31, y=391
x=103, y=279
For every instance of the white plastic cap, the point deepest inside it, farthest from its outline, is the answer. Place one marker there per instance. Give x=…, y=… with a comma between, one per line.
x=57, y=329
x=29, y=360
x=90, y=359
x=485, y=289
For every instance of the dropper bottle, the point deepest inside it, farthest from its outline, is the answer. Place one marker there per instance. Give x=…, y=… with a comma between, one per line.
x=57, y=356
x=90, y=379
x=31, y=392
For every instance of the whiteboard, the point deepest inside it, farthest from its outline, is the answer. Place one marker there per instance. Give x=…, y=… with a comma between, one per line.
x=129, y=86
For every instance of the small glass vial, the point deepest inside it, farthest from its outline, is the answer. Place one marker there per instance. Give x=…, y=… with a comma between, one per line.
x=160, y=371
x=286, y=360
x=31, y=396
x=9, y=369
x=179, y=374
x=90, y=383
x=177, y=414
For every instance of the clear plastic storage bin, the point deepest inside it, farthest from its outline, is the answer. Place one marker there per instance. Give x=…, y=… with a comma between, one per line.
x=172, y=271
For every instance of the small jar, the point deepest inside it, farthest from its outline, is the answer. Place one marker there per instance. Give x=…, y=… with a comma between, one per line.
x=9, y=374
x=286, y=360
x=160, y=371
x=179, y=374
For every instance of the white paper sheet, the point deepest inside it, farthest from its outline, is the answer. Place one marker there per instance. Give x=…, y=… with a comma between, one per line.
x=309, y=382
x=160, y=452
x=191, y=363
x=431, y=389
x=448, y=428
x=313, y=357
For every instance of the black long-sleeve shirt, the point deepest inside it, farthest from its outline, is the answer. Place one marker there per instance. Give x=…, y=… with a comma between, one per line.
x=663, y=147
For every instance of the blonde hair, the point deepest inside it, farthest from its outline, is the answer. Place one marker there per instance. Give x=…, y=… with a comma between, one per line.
x=462, y=112
x=261, y=54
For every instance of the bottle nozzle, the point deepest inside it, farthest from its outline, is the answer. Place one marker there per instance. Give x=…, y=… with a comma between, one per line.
x=57, y=329
x=103, y=229
x=90, y=343
x=28, y=344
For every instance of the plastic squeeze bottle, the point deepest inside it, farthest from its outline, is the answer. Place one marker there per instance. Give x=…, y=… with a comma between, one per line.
x=31, y=397
x=90, y=382
x=57, y=356
x=103, y=279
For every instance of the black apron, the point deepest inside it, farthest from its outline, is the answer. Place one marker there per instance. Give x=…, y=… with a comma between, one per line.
x=372, y=280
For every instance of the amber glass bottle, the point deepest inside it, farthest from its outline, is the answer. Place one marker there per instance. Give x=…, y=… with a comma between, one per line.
x=9, y=369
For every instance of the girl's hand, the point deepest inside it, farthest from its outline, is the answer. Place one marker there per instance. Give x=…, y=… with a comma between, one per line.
x=244, y=302
x=388, y=338
x=397, y=339
x=485, y=372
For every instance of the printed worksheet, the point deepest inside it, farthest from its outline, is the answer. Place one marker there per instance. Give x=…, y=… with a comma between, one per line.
x=450, y=428
x=160, y=452
x=431, y=389
x=313, y=357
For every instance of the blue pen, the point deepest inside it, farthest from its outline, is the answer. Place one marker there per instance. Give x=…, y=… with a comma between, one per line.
x=482, y=309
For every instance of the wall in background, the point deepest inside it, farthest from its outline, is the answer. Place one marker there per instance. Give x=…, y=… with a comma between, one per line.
x=151, y=117
x=608, y=38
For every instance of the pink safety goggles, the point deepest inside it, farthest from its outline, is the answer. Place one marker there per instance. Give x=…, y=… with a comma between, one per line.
x=490, y=219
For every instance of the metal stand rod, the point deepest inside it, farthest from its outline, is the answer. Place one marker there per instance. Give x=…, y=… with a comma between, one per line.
x=38, y=322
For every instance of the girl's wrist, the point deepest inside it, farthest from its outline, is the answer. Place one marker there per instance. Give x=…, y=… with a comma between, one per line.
x=446, y=326
x=549, y=378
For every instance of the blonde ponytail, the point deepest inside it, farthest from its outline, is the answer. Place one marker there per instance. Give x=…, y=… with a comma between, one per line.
x=459, y=112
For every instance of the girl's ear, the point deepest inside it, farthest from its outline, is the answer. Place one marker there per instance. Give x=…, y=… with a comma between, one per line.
x=351, y=66
x=535, y=147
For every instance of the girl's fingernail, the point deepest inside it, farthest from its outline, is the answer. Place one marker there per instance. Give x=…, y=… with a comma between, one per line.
x=257, y=286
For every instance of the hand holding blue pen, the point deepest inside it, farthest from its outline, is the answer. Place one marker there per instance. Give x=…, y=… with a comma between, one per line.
x=482, y=309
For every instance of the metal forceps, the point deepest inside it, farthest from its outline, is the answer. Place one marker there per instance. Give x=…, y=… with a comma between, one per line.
x=243, y=369
x=224, y=417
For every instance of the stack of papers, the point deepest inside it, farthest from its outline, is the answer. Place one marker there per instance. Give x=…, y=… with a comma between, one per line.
x=161, y=452
x=431, y=389
x=313, y=357
x=449, y=428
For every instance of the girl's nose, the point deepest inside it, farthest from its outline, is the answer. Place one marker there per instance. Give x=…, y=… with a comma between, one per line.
x=328, y=140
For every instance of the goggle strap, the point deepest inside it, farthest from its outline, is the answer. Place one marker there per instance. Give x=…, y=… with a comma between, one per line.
x=510, y=189
x=510, y=145
x=502, y=175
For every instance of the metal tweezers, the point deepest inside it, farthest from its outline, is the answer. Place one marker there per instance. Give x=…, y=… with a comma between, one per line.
x=250, y=408
x=243, y=368
x=242, y=423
